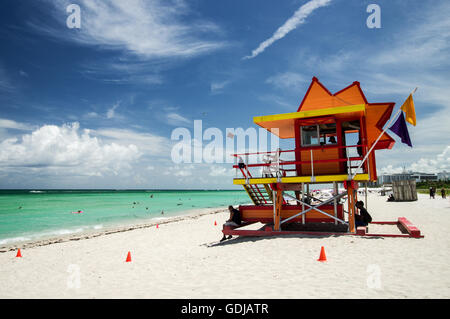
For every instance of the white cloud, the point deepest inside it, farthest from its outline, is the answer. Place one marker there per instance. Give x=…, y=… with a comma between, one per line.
x=10, y=124
x=91, y=115
x=65, y=147
x=111, y=113
x=216, y=171
x=437, y=164
x=217, y=87
x=184, y=171
x=148, y=29
x=292, y=23
x=176, y=119
x=147, y=143
x=287, y=80
x=23, y=73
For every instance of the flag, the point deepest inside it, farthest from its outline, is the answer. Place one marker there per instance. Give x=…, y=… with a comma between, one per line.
x=410, y=112
x=400, y=128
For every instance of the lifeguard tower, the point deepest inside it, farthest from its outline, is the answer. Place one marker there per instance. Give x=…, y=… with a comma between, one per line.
x=335, y=138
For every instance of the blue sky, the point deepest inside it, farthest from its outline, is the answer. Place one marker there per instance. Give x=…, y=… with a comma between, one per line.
x=95, y=107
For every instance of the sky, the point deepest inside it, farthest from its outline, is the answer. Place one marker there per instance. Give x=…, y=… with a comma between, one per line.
x=96, y=106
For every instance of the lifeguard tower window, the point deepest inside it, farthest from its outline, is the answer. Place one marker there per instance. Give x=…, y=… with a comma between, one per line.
x=328, y=134
x=314, y=135
x=310, y=135
x=351, y=134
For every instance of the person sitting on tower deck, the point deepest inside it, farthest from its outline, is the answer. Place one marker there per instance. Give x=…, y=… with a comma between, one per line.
x=364, y=218
x=241, y=163
x=234, y=221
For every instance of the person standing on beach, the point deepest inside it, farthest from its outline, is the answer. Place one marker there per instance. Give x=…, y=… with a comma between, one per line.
x=432, y=191
x=235, y=220
x=443, y=193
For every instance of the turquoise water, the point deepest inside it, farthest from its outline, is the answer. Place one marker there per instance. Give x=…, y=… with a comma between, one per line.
x=33, y=214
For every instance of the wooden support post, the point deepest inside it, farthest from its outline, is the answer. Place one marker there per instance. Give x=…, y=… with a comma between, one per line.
x=278, y=206
x=351, y=208
x=303, y=205
x=335, y=192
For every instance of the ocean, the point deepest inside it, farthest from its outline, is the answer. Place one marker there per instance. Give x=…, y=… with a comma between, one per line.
x=33, y=214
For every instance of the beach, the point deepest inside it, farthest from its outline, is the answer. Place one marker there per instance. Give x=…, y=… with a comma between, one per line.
x=182, y=258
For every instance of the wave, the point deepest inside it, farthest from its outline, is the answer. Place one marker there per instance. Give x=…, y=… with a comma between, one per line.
x=13, y=240
x=160, y=218
x=48, y=234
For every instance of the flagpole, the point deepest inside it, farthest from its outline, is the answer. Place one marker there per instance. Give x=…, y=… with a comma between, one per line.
x=373, y=146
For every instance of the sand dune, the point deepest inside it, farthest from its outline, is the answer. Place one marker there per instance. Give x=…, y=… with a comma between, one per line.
x=183, y=260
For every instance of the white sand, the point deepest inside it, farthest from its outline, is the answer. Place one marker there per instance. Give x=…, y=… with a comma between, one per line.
x=178, y=260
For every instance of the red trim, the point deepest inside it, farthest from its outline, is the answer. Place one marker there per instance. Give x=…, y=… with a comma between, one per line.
x=410, y=228
x=296, y=208
x=268, y=231
x=284, y=207
x=304, y=162
x=317, y=120
x=261, y=233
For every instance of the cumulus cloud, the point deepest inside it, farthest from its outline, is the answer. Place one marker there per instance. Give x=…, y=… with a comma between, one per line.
x=148, y=143
x=66, y=146
x=292, y=23
x=437, y=164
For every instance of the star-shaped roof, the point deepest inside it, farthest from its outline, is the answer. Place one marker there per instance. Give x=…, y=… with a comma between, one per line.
x=318, y=97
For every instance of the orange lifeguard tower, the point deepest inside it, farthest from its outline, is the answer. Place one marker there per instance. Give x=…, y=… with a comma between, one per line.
x=335, y=139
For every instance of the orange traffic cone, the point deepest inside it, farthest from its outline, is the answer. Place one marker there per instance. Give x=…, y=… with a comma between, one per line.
x=19, y=254
x=215, y=223
x=322, y=257
x=128, y=257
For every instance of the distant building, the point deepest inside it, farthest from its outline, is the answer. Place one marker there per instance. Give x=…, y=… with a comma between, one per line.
x=418, y=177
x=443, y=176
x=424, y=177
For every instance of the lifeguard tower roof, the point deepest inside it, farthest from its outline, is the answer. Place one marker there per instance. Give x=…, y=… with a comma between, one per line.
x=349, y=102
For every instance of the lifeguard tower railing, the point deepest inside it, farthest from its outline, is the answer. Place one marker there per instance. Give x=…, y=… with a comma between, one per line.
x=259, y=166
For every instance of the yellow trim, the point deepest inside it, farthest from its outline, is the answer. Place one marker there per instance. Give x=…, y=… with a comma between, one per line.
x=302, y=179
x=308, y=114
